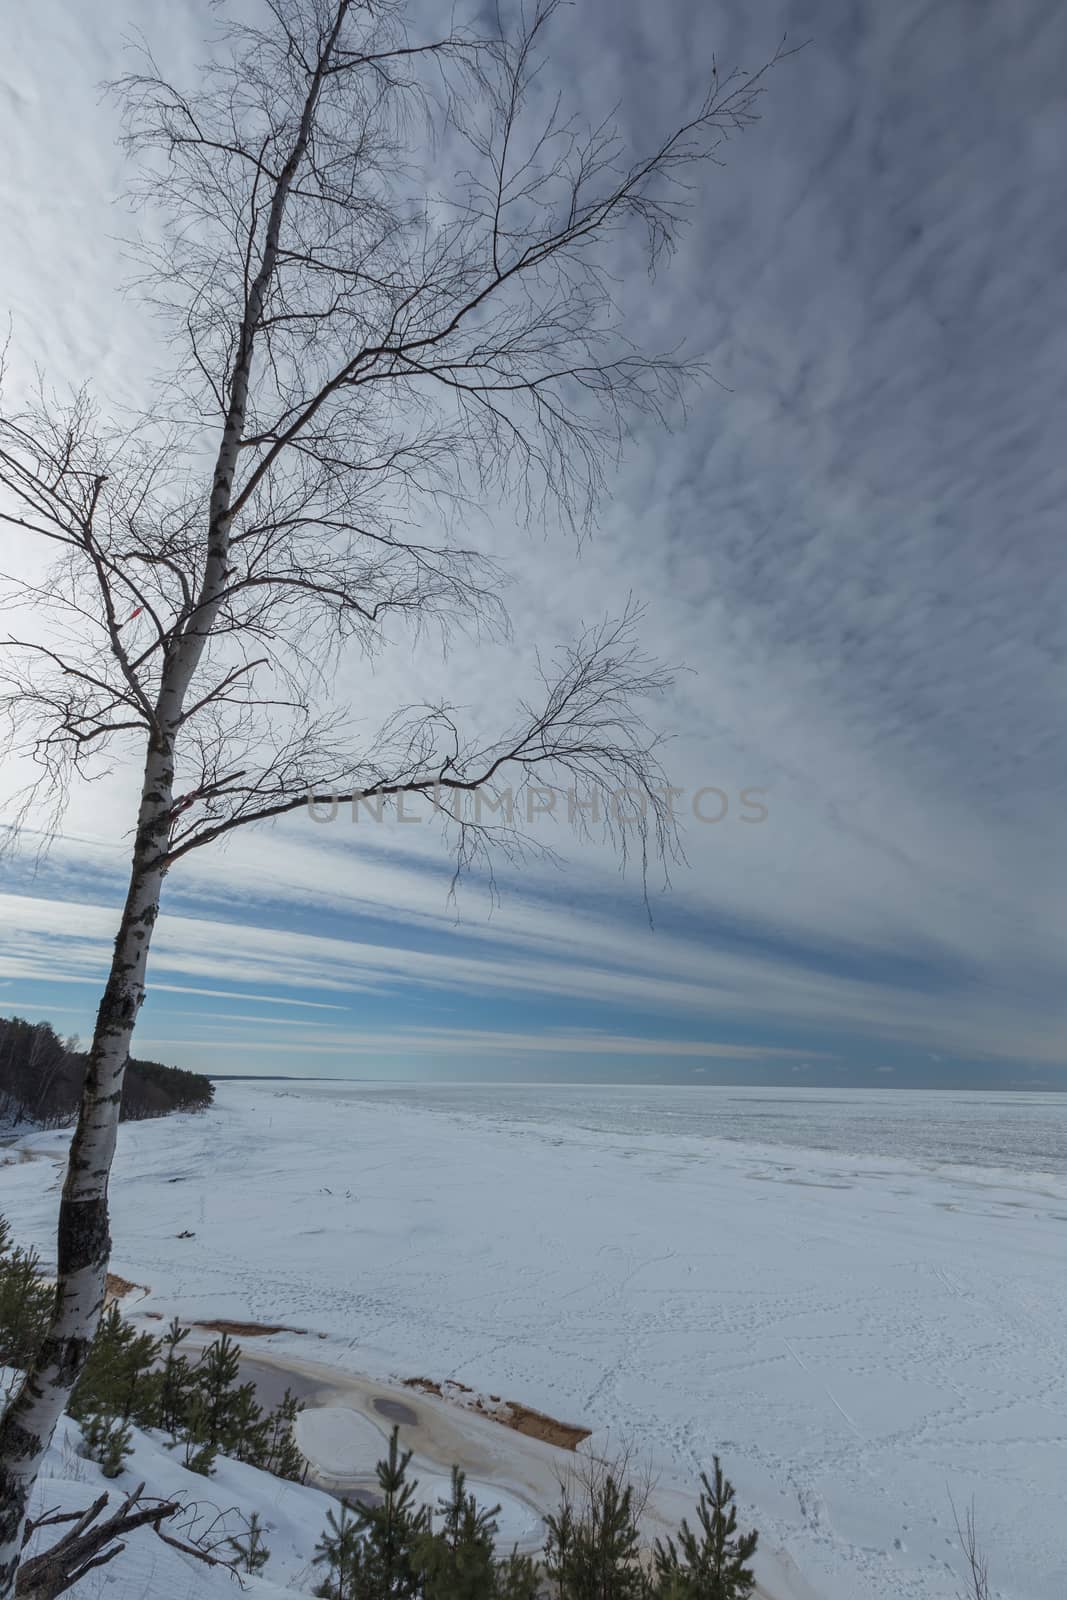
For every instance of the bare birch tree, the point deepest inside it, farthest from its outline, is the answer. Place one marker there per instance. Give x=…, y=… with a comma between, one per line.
x=361, y=350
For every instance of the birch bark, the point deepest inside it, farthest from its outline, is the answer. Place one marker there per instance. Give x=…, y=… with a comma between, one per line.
x=83, y=1237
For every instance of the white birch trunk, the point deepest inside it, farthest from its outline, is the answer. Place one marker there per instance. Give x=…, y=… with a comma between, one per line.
x=83, y=1242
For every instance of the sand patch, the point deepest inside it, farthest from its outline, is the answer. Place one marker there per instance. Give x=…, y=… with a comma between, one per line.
x=249, y=1330
x=536, y=1425
x=509, y=1413
x=117, y=1288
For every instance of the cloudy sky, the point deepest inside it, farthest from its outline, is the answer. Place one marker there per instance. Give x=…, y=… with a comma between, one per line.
x=852, y=543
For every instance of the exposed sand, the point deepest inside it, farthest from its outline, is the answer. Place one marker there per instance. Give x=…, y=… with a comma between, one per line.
x=248, y=1330
x=118, y=1288
x=524, y=1419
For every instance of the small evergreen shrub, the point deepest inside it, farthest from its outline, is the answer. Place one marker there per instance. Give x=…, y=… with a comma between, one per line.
x=25, y=1302
x=593, y=1545
x=108, y=1441
x=175, y=1381
x=281, y=1454
x=212, y=1413
x=340, y=1551
x=710, y=1562
x=457, y=1561
x=119, y=1378
x=250, y=1552
x=199, y=1453
x=592, y=1548
x=517, y=1578
x=390, y=1531
x=218, y=1408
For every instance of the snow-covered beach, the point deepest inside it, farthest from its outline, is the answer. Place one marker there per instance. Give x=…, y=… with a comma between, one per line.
x=859, y=1336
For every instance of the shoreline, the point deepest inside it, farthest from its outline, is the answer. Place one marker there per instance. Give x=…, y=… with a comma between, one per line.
x=441, y=1434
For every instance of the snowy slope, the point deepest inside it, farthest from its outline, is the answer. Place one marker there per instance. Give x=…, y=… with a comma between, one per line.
x=292, y=1515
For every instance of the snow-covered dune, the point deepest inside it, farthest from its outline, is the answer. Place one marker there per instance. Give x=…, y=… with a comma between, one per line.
x=858, y=1338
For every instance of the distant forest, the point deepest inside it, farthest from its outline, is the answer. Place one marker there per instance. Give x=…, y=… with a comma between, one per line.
x=41, y=1078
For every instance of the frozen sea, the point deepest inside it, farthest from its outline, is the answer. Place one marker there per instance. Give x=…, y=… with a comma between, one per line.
x=1011, y=1131
x=858, y=1299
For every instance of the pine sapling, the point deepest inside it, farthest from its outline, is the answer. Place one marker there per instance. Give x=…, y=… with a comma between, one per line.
x=251, y=1553
x=391, y=1530
x=592, y=1553
x=282, y=1455
x=215, y=1392
x=248, y=1431
x=340, y=1551
x=709, y=1563
x=119, y=1378
x=200, y=1449
x=174, y=1380
x=517, y=1578
x=108, y=1441
x=456, y=1561
x=25, y=1302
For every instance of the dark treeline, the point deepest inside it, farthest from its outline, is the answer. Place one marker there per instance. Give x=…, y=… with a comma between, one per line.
x=41, y=1078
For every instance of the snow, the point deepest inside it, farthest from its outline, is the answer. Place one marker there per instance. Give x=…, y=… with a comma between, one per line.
x=858, y=1338
x=293, y=1516
x=338, y=1441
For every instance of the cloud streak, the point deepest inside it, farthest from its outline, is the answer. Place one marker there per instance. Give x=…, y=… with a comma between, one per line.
x=854, y=544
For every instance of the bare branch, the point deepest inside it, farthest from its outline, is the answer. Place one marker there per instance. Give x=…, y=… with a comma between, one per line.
x=386, y=272
x=976, y=1566
x=89, y=1543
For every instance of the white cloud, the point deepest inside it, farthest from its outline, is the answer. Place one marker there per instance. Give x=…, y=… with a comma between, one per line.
x=856, y=549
